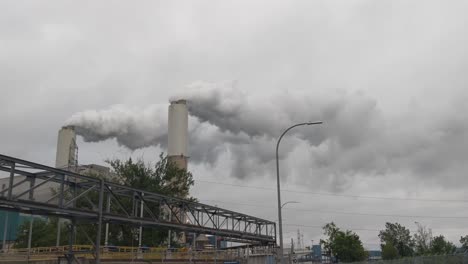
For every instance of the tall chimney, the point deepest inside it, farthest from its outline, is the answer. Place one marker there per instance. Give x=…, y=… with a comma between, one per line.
x=66, y=157
x=177, y=147
x=178, y=133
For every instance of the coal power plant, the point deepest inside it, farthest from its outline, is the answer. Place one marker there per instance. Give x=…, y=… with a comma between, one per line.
x=79, y=194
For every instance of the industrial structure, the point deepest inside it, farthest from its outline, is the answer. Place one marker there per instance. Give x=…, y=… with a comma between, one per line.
x=129, y=206
x=67, y=149
x=66, y=158
x=78, y=197
x=177, y=147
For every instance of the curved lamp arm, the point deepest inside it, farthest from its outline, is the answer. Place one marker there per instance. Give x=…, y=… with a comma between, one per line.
x=290, y=202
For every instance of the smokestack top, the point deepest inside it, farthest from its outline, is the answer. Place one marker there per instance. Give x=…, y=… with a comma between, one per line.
x=71, y=127
x=179, y=101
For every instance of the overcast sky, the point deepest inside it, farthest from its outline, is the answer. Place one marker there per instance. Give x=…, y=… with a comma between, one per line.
x=388, y=78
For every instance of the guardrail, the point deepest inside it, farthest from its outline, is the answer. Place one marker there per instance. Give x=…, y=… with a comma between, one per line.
x=123, y=253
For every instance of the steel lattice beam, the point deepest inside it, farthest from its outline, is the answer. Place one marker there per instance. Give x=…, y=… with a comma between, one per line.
x=82, y=197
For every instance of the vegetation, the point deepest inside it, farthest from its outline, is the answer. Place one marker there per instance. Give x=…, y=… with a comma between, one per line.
x=164, y=178
x=389, y=251
x=398, y=237
x=159, y=179
x=44, y=233
x=439, y=246
x=422, y=238
x=396, y=242
x=344, y=245
x=464, y=242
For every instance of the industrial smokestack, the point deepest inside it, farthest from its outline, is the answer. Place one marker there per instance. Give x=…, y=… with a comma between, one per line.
x=67, y=150
x=177, y=146
x=178, y=133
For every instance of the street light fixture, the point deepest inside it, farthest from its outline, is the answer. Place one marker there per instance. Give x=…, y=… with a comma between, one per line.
x=278, y=183
x=289, y=202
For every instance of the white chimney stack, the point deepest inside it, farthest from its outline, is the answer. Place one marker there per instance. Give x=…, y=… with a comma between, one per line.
x=66, y=157
x=178, y=133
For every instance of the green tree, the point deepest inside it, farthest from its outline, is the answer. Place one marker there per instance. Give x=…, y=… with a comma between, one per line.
x=464, y=242
x=398, y=237
x=44, y=233
x=439, y=246
x=164, y=178
x=344, y=245
x=389, y=251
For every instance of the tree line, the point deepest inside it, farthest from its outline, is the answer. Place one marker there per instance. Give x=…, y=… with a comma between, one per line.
x=396, y=242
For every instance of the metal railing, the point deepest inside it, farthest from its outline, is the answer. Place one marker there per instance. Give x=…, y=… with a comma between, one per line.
x=125, y=253
x=439, y=259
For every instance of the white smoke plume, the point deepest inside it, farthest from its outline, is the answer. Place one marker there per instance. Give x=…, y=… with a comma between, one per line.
x=355, y=139
x=131, y=126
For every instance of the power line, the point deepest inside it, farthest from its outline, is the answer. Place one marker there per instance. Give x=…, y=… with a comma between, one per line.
x=383, y=215
x=338, y=195
x=321, y=227
x=347, y=213
x=362, y=229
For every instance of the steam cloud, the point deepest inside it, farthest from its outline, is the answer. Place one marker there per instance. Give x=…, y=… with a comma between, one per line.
x=132, y=127
x=356, y=139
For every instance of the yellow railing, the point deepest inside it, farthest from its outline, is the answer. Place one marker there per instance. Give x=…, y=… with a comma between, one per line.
x=64, y=249
x=153, y=253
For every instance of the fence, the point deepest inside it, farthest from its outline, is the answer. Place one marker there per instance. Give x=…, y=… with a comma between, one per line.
x=183, y=255
x=446, y=259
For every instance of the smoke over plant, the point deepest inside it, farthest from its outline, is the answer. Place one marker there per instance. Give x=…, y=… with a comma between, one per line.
x=356, y=138
x=131, y=127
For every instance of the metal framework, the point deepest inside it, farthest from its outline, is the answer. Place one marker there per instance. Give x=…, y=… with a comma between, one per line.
x=85, y=198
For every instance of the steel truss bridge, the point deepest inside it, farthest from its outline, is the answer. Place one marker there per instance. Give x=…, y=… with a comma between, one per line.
x=89, y=199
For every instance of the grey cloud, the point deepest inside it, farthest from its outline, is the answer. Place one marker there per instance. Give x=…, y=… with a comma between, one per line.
x=76, y=59
x=403, y=136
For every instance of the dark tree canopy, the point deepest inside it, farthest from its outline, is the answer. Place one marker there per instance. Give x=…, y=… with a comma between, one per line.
x=399, y=237
x=389, y=251
x=439, y=246
x=44, y=233
x=164, y=178
x=344, y=245
x=464, y=242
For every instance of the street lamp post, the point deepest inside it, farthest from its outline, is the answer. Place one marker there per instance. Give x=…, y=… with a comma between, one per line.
x=30, y=235
x=280, y=223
